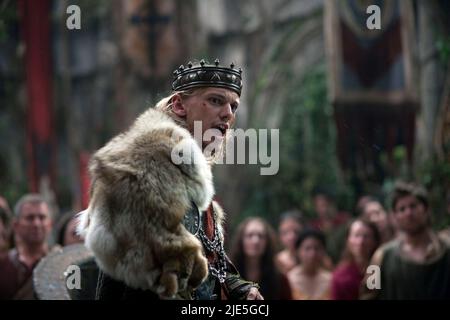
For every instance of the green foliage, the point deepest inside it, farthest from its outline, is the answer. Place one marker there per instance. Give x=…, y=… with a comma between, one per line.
x=307, y=152
x=443, y=47
x=8, y=16
x=435, y=176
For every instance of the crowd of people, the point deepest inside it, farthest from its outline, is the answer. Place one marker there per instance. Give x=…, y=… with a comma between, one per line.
x=326, y=258
x=27, y=234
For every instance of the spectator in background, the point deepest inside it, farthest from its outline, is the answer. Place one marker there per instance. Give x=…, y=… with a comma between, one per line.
x=362, y=201
x=289, y=229
x=331, y=222
x=66, y=233
x=445, y=234
x=309, y=280
x=363, y=238
x=253, y=253
x=5, y=221
x=32, y=225
x=327, y=215
x=417, y=264
x=372, y=210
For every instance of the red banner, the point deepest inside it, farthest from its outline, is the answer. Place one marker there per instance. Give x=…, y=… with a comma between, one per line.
x=35, y=28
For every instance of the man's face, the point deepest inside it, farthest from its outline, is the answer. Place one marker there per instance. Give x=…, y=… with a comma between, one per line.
x=410, y=215
x=321, y=205
x=34, y=223
x=214, y=107
x=311, y=252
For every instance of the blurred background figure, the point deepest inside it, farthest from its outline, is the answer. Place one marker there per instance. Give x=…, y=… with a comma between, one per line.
x=417, y=264
x=372, y=210
x=32, y=226
x=445, y=234
x=309, y=280
x=289, y=228
x=361, y=203
x=5, y=220
x=331, y=222
x=363, y=238
x=327, y=216
x=253, y=253
x=66, y=230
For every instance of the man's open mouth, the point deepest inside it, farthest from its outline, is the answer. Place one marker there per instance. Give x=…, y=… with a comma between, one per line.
x=222, y=128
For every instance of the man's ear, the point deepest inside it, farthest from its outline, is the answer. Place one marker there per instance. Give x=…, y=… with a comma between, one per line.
x=178, y=107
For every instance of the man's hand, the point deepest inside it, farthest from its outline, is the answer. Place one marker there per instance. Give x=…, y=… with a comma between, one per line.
x=253, y=294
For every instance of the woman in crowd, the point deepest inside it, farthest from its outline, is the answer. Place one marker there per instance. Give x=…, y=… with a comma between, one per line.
x=66, y=230
x=5, y=226
x=289, y=228
x=253, y=253
x=310, y=280
x=372, y=210
x=363, y=239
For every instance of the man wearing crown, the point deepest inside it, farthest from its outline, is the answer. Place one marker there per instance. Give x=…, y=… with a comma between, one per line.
x=152, y=223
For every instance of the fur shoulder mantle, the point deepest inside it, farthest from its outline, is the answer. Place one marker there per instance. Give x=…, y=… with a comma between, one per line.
x=139, y=197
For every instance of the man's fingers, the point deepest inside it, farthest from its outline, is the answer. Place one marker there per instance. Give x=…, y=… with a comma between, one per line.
x=254, y=294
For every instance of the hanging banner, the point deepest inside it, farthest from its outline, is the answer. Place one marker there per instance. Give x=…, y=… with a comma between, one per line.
x=35, y=28
x=366, y=64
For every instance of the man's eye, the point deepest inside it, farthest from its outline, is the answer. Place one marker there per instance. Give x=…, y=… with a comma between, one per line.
x=215, y=100
x=234, y=107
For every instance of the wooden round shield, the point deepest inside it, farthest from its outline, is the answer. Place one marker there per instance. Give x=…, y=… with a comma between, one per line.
x=58, y=273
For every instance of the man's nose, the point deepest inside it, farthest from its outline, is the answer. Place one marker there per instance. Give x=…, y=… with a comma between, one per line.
x=36, y=222
x=226, y=112
x=408, y=211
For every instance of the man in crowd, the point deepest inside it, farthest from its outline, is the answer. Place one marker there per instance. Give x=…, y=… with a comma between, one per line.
x=32, y=225
x=417, y=264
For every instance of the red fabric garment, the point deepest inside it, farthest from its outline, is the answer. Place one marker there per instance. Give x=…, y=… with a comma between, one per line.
x=13, y=275
x=208, y=222
x=208, y=225
x=346, y=282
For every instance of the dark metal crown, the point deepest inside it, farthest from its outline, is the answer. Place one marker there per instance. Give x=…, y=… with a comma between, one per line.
x=207, y=75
